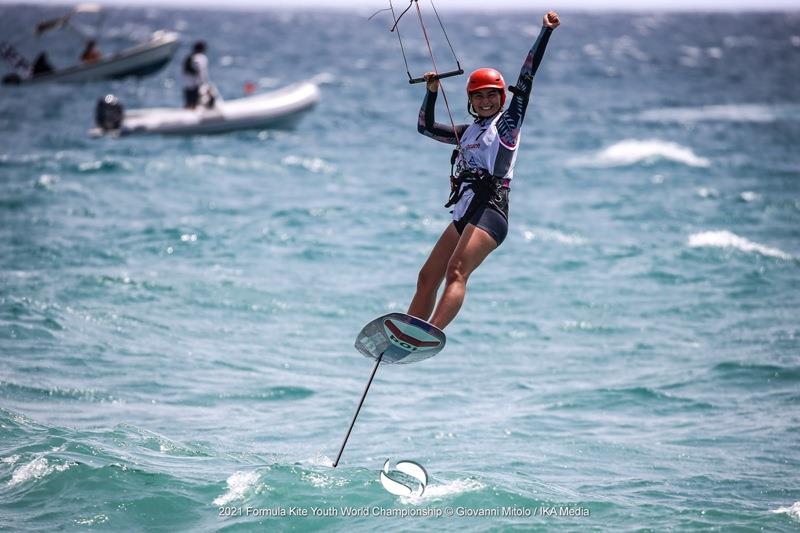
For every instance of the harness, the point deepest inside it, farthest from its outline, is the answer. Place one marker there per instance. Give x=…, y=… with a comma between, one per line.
x=487, y=189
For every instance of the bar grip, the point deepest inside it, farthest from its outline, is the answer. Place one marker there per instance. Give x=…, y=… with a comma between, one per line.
x=438, y=76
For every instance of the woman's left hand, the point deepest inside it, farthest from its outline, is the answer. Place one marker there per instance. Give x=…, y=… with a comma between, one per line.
x=551, y=20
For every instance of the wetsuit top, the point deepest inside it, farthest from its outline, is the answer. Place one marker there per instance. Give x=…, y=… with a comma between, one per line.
x=198, y=74
x=489, y=144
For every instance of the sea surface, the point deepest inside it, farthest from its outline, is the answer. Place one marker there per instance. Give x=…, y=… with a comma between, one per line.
x=177, y=314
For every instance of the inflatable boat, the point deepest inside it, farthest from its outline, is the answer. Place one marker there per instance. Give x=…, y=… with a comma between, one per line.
x=141, y=60
x=275, y=109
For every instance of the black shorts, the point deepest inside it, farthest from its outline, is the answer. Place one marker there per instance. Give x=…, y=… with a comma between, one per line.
x=191, y=97
x=488, y=217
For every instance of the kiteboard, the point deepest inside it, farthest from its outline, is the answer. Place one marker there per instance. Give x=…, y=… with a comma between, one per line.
x=396, y=338
x=400, y=338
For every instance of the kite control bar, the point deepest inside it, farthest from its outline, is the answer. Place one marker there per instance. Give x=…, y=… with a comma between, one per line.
x=396, y=29
x=450, y=74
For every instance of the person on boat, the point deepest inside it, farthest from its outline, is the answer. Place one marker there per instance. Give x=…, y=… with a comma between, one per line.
x=484, y=166
x=91, y=54
x=195, y=78
x=41, y=65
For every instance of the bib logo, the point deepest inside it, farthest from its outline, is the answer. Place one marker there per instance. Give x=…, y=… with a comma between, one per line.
x=401, y=485
x=405, y=341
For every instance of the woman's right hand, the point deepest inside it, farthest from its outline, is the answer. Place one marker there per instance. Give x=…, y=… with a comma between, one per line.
x=432, y=83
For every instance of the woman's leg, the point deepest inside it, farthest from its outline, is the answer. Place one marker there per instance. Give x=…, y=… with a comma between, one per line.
x=432, y=274
x=473, y=247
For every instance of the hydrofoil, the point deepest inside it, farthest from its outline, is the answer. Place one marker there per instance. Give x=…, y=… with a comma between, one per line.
x=396, y=338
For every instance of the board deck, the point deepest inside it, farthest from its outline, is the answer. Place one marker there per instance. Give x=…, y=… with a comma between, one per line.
x=400, y=339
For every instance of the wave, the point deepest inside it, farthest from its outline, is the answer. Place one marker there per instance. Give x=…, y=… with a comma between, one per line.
x=793, y=510
x=633, y=151
x=753, y=372
x=29, y=392
x=104, y=165
x=757, y=113
x=319, y=460
x=444, y=490
x=271, y=394
x=552, y=235
x=749, y=196
x=278, y=393
x=726, y=239
x=707, y=192
x=36, y=469
x=239, y=484
x=321, y=481
x=627, y=397
x=316, y=165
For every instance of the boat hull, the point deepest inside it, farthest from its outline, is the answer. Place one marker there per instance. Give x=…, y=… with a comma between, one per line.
x=141, y=60
x=276, y=109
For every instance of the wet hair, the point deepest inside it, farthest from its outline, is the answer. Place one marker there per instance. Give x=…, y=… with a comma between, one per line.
x=199, y=47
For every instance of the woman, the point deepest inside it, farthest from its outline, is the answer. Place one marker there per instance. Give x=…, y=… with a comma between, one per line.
x=484, y=166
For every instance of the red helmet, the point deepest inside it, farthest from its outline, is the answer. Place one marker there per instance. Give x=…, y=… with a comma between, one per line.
x=487, y=78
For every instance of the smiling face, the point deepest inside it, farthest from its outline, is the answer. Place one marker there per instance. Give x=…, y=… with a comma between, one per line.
x=485, y=102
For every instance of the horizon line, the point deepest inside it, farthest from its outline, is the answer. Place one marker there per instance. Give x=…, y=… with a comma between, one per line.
x=568, y=6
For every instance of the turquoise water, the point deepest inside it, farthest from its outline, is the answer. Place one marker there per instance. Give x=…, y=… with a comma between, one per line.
x=177, y=314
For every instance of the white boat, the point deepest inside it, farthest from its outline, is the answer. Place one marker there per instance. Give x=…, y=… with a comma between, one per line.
x=274, y=109
x=141, y=60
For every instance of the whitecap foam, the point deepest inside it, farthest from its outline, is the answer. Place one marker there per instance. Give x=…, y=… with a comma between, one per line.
x=36, y=469
x=88, y=166
x=444, y=490
x=592, y=50
x=314, y=164
x=633, y=151
x=554, y=236
x=581, y=325
x=95, y=520
x=46, y=181
x=759, y=113
x=238, y=485
x=706, y=192
x=749, y=196
x=319, y=460
x=726, y=239
x=322, y=481
x=793, y=510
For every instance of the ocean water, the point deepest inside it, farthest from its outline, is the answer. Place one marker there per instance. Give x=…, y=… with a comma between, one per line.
x=177, y=314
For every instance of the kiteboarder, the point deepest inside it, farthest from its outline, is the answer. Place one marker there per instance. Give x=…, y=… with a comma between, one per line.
x=483, y=166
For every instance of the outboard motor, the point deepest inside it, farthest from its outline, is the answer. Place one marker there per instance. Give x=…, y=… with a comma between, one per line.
x=108, y=113
x=12, y=79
